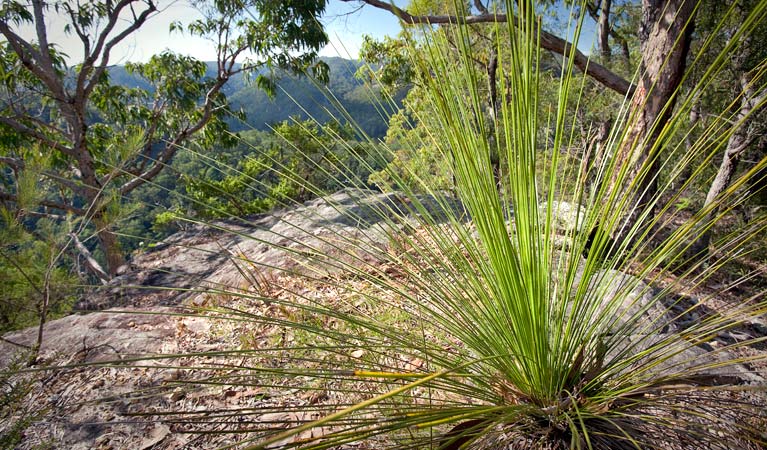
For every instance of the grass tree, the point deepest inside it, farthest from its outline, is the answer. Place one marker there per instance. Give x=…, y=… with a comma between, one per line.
x=483, y=323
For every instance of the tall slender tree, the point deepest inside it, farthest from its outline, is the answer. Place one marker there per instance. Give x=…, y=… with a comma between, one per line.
x=107, y=140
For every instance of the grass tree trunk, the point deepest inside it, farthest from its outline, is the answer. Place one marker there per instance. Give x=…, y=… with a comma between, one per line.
x=665, y=35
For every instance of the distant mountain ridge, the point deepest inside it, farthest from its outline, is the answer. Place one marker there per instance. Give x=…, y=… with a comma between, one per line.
x=296, y=96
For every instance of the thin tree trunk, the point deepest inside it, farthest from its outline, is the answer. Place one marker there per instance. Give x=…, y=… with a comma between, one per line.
x=42, y=310
x=596, y=153
x=603, y=34
x=740, y=139
x=600, y=12
x=45, y=301
x=686, y=174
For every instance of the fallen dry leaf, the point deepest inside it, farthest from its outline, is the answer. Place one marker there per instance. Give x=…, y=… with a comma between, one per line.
x=156, y=435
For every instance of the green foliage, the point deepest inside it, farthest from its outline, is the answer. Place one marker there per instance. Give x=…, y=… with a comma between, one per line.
x=415, y=162
x=390, y=56
x=106, y=140
x=29, y=247
x=25, y=261
x=165, y=221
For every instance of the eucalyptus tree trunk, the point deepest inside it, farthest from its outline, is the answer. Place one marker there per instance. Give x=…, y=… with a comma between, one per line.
x=664, y=34
x=109, y=243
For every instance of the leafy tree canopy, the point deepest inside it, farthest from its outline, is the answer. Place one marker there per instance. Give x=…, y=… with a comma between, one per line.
x=106, y=140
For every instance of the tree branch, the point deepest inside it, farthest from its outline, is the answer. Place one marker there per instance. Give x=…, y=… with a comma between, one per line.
x=104, y=48
x=36, y=134
x=15, y=343
x=172, y=146
x=42, y=36
x=54, y=177
x=34, y=121
x=549, y=41
x=47, y=203
x=30, y=58
x=90, y=261
x=84, y=38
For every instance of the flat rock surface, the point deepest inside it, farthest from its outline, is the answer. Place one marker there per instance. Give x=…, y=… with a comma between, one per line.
x=100, y=336
x=108, y=394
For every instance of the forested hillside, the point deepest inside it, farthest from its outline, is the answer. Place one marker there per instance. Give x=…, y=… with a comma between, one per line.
x=296, y=96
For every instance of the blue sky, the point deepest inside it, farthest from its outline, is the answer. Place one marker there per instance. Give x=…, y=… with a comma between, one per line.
x=345, y=22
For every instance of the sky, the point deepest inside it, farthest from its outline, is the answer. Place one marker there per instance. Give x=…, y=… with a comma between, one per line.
x=345, y=23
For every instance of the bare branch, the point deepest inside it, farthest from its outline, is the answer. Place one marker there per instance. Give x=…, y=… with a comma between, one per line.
x=7, y=341
x=13, y=162
x=596, y=71
x=56, y=217
x=42, y=36
x=549, y=41
x=90, y=261
x=104, y=48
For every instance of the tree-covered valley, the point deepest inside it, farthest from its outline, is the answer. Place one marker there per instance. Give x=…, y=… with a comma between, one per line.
x=294, y=96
